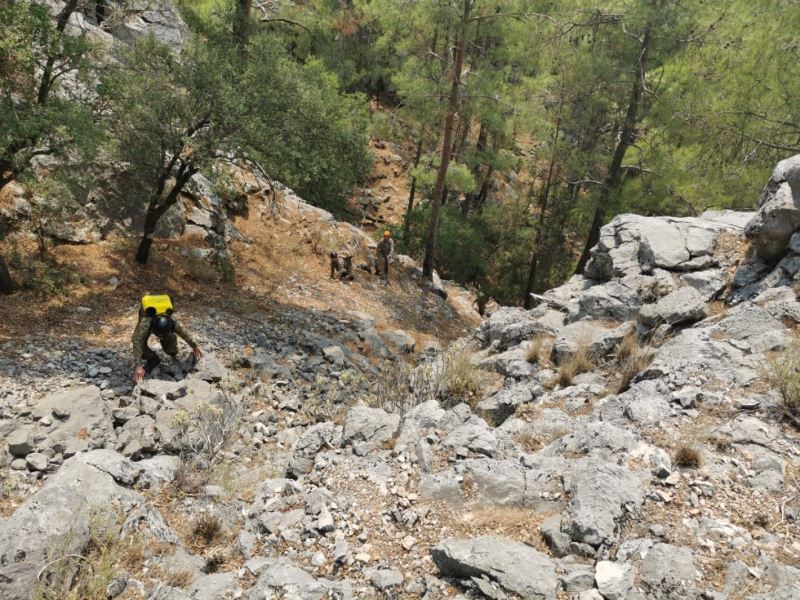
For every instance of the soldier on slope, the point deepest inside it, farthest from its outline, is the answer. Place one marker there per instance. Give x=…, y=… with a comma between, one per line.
x=155, y=318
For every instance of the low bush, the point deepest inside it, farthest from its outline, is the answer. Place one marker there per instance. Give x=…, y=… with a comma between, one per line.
x=687, y=457
x=785, y=373
x=581, y=361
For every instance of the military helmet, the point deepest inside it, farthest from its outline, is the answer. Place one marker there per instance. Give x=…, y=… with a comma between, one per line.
x=162, y=325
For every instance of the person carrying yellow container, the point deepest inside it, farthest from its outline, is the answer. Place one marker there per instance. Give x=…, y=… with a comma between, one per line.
x=155, y=318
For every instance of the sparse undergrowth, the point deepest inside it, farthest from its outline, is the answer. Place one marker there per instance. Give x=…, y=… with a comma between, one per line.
x=70, y=576
x=785, y=373
x=631, y=358
x=687, y=457
x=539, y=349
x=581, y=361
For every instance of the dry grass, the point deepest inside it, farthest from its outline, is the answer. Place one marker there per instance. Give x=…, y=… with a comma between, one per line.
x=632, y=359
x=687, y=457
x=178, y=579
x=207, y=527
x=461, y=381
x=784, y=372
x=722, y=443
x=539, y=349
x=579, y=362
x=527, y=441
x=86, y=577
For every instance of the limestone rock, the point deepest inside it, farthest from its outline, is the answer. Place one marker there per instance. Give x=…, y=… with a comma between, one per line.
x=601, y=493
x=368, y=428
x=613, y=579
x=516, y=567
x=681, y=306
x=315, y=438
x=62, y=513
x=668, y=568
x=778, y=216
x=20, y=442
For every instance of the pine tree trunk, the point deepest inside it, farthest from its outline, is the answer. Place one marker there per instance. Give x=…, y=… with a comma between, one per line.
x=543, y=205
x=412, y=192
x=444, y=163
x=613, y=179
x=6, y=285
x=241, y=23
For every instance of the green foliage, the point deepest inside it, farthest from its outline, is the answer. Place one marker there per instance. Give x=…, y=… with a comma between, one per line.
x=214, y=101
x=39, y=114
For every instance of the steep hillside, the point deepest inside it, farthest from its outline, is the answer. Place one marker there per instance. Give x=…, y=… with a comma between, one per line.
x=630, y=437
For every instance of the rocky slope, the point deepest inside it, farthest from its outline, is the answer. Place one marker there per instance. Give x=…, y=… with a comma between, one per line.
x=635, y=446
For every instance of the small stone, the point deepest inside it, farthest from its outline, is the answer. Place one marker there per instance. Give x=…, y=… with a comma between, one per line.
x=20, y=442
x=83, y=310
x=408, y=543
x=384, y=579
x=363, y=557
x=673, y=479
x=318, y=559
x=36, y=461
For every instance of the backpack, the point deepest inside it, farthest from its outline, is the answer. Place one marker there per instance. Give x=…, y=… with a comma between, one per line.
x=153, y=305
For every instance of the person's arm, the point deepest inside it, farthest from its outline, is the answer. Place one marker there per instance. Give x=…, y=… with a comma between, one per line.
x=186, y=337
x=138, y=341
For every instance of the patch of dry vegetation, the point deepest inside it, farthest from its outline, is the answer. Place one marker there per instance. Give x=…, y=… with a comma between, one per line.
x=785, y=375
x=70, y=576
x=687, y=457
x=579, y=362
x=539, y=348
x=632, y=358
x=207, y=527
x=461, y=381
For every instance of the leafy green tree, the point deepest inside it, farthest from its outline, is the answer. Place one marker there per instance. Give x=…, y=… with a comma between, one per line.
x=39, y=114
x=175, y=115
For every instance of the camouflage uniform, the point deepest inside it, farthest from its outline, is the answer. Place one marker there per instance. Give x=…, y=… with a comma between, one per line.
x=342, y=267
x=385, y=250
x=169, y=343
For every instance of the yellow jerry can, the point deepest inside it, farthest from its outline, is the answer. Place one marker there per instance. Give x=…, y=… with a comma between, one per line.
x=153, y=305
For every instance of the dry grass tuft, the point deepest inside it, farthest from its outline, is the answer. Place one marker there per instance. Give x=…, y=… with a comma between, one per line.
x=207, y=527
x=539, y=349
x=527, y=442
x=722, y=443
x=580, y=362
x=785, y=375
x=687, y=457
x=632, y=359
x=461, y=381
x=178, y=579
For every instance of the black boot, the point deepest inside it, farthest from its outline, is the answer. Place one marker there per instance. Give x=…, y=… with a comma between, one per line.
x=152, y=363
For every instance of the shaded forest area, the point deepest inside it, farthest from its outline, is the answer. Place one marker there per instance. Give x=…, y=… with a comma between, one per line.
x=528, y=124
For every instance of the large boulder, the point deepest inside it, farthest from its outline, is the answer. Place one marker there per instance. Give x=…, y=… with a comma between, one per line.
x=281, y=578
x=683, y=305
x=668, y=569
x=516, y=567
x=74, y=411
x=61, y=518
x=502, y=404
x=633, y=244
x=601, y=494
x=778, y=215
x=305, y=450
x=159, y=19
x=367, y=429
